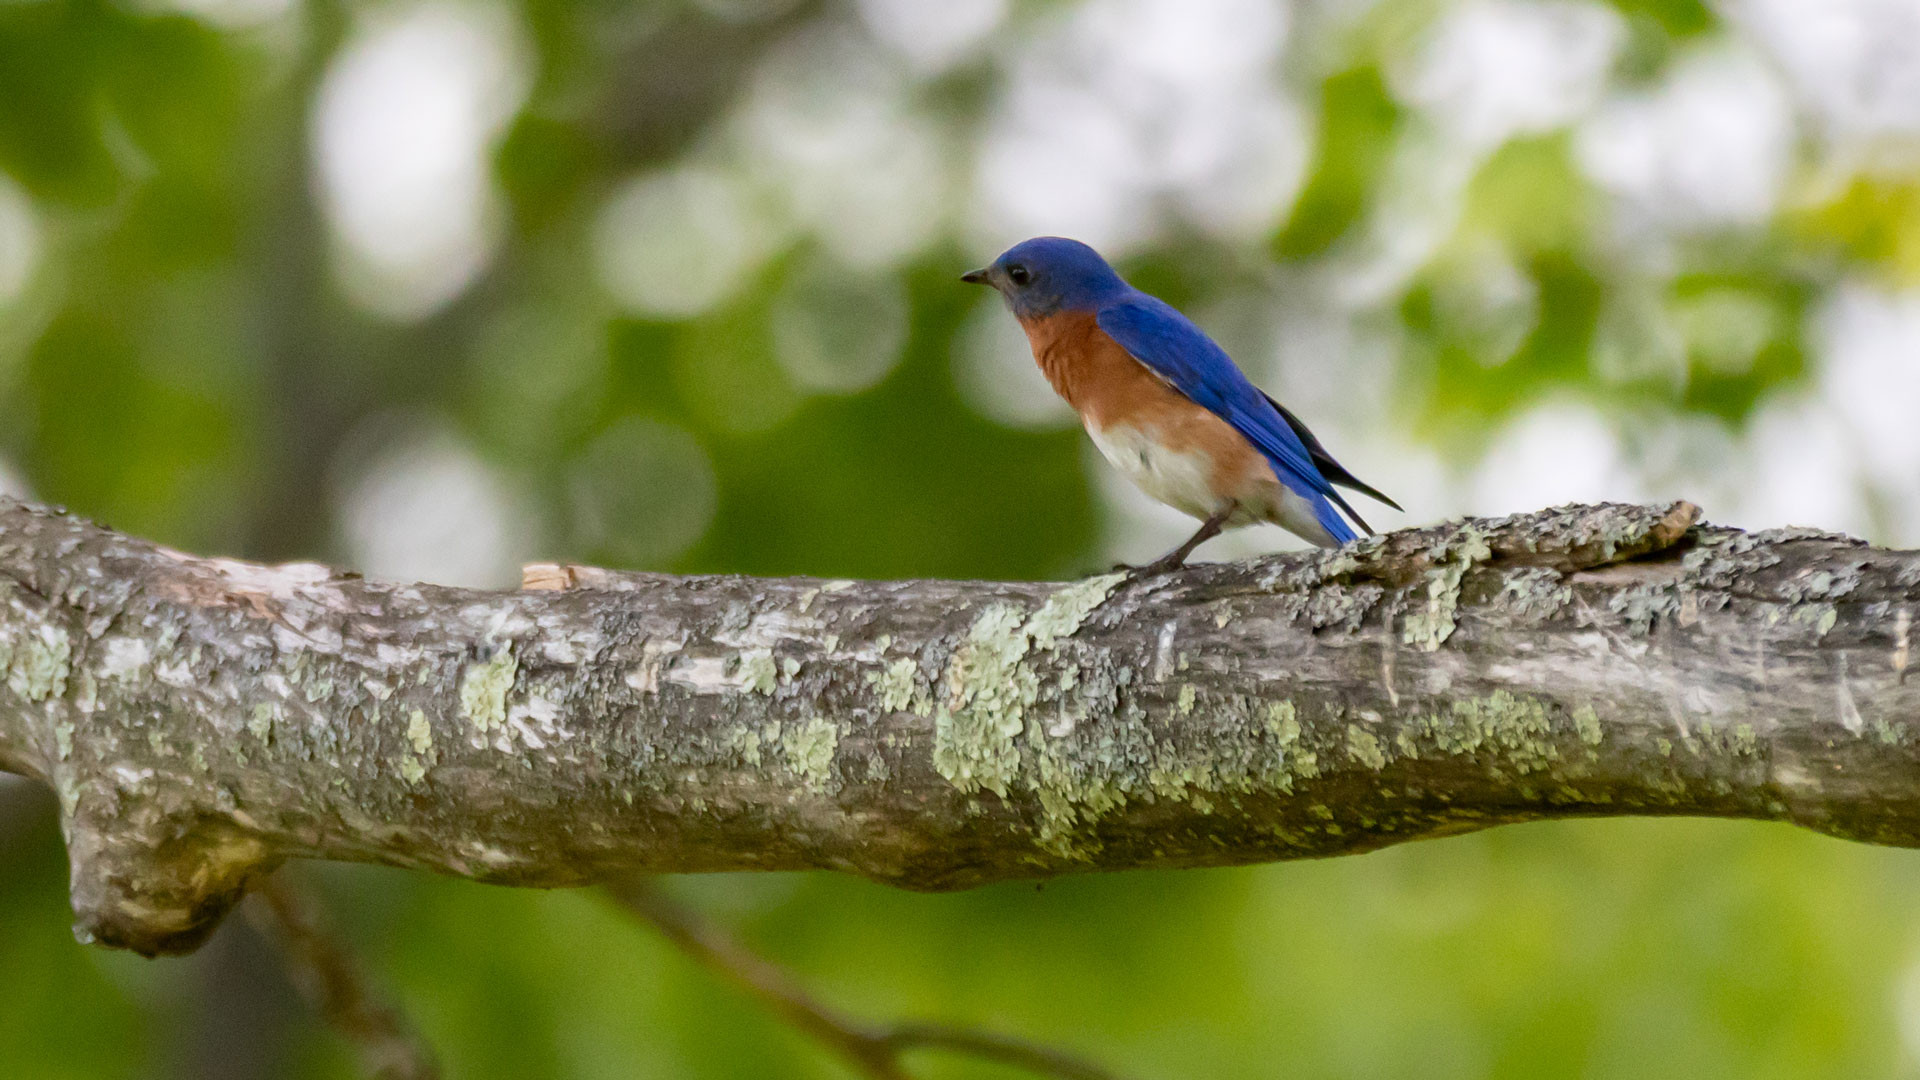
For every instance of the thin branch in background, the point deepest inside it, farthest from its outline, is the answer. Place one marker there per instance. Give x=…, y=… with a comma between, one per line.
x=330, y=977
x=874, y=1049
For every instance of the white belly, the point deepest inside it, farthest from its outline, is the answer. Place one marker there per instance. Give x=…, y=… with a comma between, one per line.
x=1183, y=481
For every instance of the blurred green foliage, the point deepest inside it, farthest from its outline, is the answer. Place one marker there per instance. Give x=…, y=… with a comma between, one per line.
x=183, y=361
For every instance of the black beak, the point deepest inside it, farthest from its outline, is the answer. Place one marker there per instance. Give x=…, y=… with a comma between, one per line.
x=975, y=277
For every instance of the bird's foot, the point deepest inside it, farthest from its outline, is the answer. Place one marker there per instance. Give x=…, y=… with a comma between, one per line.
x=1162, y=565
x=1175, y=559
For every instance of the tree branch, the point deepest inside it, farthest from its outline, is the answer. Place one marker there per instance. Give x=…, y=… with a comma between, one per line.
x=874, y=1050
x=331, y=979
x=203, y=719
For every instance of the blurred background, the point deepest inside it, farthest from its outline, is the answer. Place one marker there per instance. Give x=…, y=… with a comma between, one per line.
x=430, y=288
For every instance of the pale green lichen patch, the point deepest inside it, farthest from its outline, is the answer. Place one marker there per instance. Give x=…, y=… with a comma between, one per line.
x=757, y=671
x=1064, y=611
x=1283, y=722
x=745, y=742
x=1822, y=617
x=1519, y=728
x=260, y=722
x=987, y=689
x=895, y=683
x=1364, y=748
x=1429, y=626
x=1738, y=740
x=38, y=668
x=1535, y=592
x=986, y=693
x=1068, y=679
x=1824, y=584
x=1184, y=705
x=1174, y=776
x=809, y=748
x=414, y=763
x=983, y=702
x=1083, y=777
x=420, y=733
x=1335, y=564
x=1587, y=723
x=484, y=688
x=1071, y=795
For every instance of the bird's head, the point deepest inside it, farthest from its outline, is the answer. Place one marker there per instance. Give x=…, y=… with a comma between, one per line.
x=1048, y=274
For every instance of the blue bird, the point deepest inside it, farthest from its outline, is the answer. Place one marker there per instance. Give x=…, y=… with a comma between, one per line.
x=1166, y=405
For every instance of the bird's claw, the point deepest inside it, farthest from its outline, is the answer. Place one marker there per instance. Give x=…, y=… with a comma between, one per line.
x=1147, y=570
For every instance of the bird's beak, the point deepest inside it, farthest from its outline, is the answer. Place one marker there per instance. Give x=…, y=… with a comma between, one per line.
x=976, y=277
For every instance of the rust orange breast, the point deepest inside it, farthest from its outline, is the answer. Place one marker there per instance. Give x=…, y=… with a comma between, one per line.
x=1109, y=388
x=1102, y=382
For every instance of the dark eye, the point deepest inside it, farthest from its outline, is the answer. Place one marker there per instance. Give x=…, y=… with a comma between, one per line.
x=1018, y=274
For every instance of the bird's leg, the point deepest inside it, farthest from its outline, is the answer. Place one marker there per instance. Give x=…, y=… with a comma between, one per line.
x=1208, y=529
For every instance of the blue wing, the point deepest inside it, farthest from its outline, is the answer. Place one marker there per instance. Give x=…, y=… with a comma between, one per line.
x=1155, y=334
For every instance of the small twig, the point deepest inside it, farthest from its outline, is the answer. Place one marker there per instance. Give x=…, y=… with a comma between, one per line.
x=330, y=977
x=875, y=1050
x=1005, y=1049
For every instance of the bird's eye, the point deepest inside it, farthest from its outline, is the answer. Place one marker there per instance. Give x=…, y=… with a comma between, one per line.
x=1018, y=274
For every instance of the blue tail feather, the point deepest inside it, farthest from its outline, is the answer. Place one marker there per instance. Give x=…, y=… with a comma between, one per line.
x=1331, y=521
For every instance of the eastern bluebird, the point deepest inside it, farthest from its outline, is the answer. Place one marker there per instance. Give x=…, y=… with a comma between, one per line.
x=1166, y=405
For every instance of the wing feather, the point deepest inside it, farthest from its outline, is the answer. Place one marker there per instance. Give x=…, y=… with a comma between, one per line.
x=1169, y=344
x=1334, y=471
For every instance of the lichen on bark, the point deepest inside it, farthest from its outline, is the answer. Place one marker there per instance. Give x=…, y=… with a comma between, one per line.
x=204, y=719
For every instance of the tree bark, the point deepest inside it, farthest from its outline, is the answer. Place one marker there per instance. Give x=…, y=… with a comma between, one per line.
x=204, y=719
